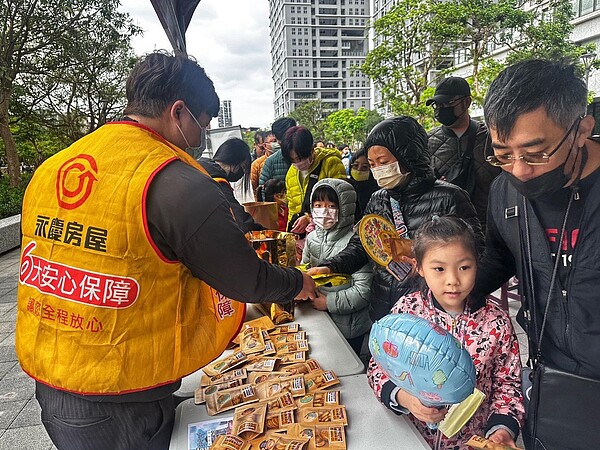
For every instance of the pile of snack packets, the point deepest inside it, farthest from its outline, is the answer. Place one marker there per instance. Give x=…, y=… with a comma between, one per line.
x=279, y=396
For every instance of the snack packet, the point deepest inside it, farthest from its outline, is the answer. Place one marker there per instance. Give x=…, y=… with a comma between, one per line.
x=256, y=378
x=278, y=441
x=262, y=323
x=238, y=374
x=291, y=347
x=292, y=358
x=304, y=367
x=199, y=396
x=269, y=348
x=229, y=442
x=284, y=400
x=290, y=337
x=249, y=420
x=481, y=442
x=321, y=436
x=282, y=329
x=295, y=385
x=225, y=364
x=279, y=418
x=319, y=398
x=319, y=380
x=219, y=401
x=261, y=364
x=323, y=415
x=251, y=340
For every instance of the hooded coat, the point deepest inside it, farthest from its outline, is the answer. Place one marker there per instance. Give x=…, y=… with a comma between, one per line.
x=347, y=304
x=421, y=198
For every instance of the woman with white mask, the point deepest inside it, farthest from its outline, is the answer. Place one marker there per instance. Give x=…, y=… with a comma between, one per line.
x=409, y=195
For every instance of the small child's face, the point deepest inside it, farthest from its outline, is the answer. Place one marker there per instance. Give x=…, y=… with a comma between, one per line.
x=324, y=204
x=449, y=270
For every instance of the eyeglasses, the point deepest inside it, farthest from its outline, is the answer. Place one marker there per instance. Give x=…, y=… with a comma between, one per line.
x=530, y=158
x=450, y=104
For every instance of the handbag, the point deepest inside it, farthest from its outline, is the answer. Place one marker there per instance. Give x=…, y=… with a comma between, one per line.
x=561, y=407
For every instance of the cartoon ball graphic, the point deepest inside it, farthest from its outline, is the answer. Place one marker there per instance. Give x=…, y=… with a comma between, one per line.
x=423, y=359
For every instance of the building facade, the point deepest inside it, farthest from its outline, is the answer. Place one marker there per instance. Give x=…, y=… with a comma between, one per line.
x=224, y=118
x=316, y=46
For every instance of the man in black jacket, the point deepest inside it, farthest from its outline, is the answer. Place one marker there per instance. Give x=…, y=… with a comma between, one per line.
x=544, y=226
x=457, y=146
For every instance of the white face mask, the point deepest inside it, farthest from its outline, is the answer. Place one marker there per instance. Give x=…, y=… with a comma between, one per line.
x=325, y=218
x=194, y=152
x=390, y=176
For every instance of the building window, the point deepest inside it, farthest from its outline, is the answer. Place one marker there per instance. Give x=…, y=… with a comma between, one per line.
x=295, y=84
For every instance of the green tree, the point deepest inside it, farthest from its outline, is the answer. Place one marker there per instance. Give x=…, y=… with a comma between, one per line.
x=412, y=43
x=47, y=47
x=311, y=115
x=348, y=127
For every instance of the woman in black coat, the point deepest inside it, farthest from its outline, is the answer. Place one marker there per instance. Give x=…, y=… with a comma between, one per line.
x=401, y=164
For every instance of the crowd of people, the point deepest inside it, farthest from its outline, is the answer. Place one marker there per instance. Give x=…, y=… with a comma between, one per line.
x=164, y=237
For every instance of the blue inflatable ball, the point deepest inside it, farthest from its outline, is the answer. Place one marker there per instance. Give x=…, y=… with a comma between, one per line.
x=423, y=359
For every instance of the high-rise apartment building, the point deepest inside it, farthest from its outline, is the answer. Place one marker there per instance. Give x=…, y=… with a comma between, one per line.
x=225, y=114
x=315, y=47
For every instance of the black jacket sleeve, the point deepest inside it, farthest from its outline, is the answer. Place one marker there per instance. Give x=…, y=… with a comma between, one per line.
x=190, y=221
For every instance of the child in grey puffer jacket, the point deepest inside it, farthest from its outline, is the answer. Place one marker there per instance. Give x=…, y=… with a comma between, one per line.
x=333, y=204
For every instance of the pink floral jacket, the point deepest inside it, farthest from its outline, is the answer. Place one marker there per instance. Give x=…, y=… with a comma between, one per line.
x=488, y=335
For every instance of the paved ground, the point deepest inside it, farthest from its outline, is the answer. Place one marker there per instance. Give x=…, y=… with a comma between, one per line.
x=20, y=424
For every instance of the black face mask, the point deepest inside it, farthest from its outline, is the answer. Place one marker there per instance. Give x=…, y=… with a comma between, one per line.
x=446, y=116
x=236, y=175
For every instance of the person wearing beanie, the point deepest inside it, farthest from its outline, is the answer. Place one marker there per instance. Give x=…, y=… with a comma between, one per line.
x=457, y=146
x=409, y=194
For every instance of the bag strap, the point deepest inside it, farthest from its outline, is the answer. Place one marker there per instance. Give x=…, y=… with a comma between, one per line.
x=472, y=133
x=399, y=223
x=313, y=177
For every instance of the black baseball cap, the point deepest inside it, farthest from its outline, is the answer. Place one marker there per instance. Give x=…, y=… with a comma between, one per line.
x=449, y=88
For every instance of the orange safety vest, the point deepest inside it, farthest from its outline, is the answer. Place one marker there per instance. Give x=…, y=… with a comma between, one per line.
x=100, y=309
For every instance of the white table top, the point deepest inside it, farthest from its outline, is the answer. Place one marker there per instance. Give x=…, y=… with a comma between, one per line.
x=370, y=424
x=327, y=345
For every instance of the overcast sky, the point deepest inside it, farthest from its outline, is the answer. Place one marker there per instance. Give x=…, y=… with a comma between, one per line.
x=230, y=39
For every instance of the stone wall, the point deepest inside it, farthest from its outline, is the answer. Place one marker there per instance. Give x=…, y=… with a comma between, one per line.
x=10, y=233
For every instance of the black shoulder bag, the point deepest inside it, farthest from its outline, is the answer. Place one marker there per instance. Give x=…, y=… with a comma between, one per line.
x=462, y=172
x=313, y=177
x=561, y=407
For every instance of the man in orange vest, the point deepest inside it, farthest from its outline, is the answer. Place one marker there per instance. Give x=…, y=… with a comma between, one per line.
x=130, y=260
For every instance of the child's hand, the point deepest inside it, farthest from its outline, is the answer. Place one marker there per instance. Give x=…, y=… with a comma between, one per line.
x=502, y=436
x=320, y=302
x=421, y=412
x=300, y=224
x=318, y=270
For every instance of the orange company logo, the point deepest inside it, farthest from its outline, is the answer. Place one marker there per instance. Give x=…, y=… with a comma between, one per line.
x=75, y=180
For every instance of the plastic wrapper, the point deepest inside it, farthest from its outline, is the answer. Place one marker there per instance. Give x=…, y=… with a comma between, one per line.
x=323, y=415
x=279, y=418
x=199, y=394
x=480, y=442
x=321, y=436
x=318, y=399
x=229, y=442
x=309, y=366
x=280, y=401
x=268, y=389
x=249, y=421
x=289, y=337
x=276, y=247
x=225, y=364
x=292, y=358
x=251, y=340
x=291, y=347
x=278, y=441
x=269, y=348
x=238, y=374
x=257, y=378
x=290, y=328
x=219, y=401
x=319, y=380
x=261, y=364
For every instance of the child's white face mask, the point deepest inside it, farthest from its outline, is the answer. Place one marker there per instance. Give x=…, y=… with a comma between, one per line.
x=325, y=218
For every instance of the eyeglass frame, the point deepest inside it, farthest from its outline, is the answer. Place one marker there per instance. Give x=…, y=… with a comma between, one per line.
x=523, y=156
x=450, y=104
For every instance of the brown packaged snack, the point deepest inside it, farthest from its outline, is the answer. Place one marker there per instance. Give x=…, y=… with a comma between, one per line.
x=219, y=401
x=199, y=396
x=292, y=358
x=290, y=337
x=251, y=340
x=282, y=329
x=237, y=374
x=319, y=398
x=324, y=415
x=262, y=323
x=269, y=348
x=278, y=441
x=225, y=364
x=268, y=389
x=284, y=400
x=304, y=367
x=229, y=442
x=256, y=378
x=291, y=347
x=319, y=380
x=249, y=420
x=480, y=442
x=321, y=436
x=279, y=418
x=261, y=364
